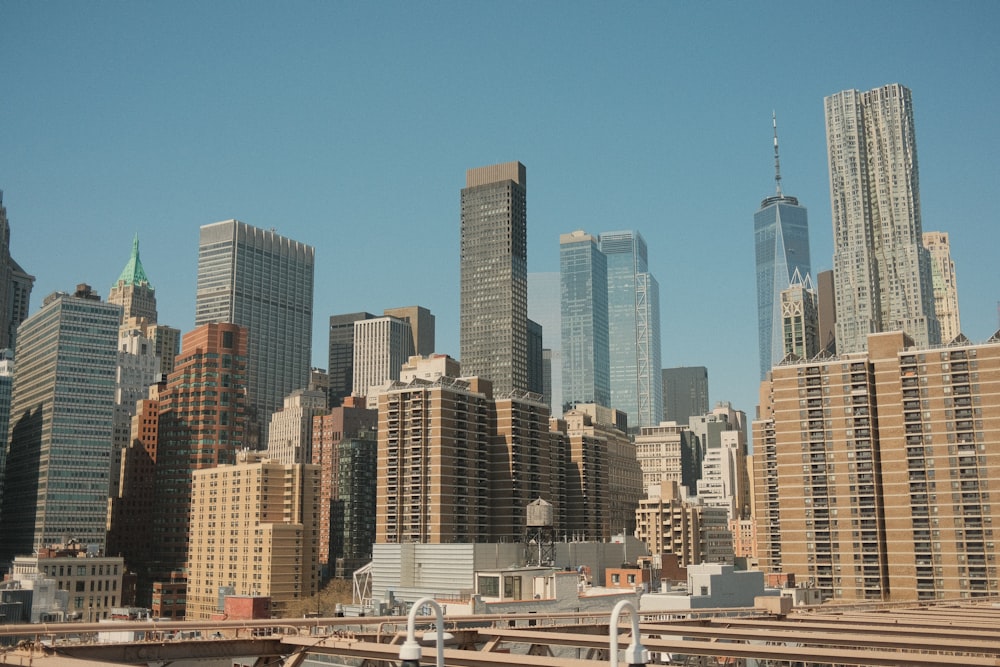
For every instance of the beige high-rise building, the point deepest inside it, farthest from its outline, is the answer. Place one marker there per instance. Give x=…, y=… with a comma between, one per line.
x=254, y=531
x=659, y=452
x=872, y=471
x=668, y=522
x=945, y=284
x=435, y=441
x=289, y=438
x=603, y=475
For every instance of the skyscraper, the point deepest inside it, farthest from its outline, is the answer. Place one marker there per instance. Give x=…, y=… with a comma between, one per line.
x=583, y=283
x=341, y=362
x=62, y=407
x=799, y=320
x=882, y=272
x=15, y=286
x=945, y=284
x=133, y=291
x=381, y=346
x=494, y=276
x=781, y=242
x=633, y=329
x=421, y=323
x=685, y=393
x=264, y=282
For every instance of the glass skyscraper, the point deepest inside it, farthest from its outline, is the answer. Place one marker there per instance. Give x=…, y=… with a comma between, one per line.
x=633, y=329
x=264, y=282
x=882, y=272
x=583, y=286
x=781, y=241
x=494, y=277
x=62, y=415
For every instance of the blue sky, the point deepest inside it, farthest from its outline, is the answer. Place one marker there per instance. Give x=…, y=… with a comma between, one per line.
x=350, y=125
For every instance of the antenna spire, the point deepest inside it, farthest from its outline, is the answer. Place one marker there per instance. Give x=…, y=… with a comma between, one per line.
x=777, y=162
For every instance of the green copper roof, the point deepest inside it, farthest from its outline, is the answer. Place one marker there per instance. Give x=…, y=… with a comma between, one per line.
x=133, y=273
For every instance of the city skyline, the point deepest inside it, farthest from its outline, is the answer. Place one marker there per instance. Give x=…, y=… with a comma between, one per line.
x=147, y=144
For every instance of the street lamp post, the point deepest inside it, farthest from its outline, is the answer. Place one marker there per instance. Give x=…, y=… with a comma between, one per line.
x=409, y=652
x=635, y=654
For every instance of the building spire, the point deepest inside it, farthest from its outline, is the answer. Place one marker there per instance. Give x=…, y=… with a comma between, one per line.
x=777, y=162
x=133, y=273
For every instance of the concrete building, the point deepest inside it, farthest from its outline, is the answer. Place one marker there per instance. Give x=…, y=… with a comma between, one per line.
x=882, y=272
x=465, y=575
x=494, y=276
x=270, y=546
x=290, y=436
x=710, y=586
x=348, y=423
x=603, y=479
x=195, y=421
x=133, y=291
x=633, y=329
x=58, y=461
x=583, y=280
x=70, y=582
x=945, y=284
x=421, y=323
x=669, y=522
x=781, y=242
x=15, y=287
x=528, y=464
x=6, y=385
x=872, y=470
x=685, y=393
x=799, y=320
x=341, y=361
x=381, y=346
x=262, y=281
x=826, y=300
x=668, y=453
x=435, y=445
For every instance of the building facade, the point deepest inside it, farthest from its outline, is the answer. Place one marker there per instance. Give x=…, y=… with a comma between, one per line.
x=583, y=283
x=945, y=284
x=494, y=276
x=872, y=471
x=133, y=291
x=260, y=280
x=15, y=287
x=381, y=346
x=685, y=393
x=350, y=422
x=270, y=547
x=435, y=442
x=421, y=322
x=882, y=271
x=799, y=320
x=633, y=329
x=195, y=421
x=781, y=243
x=58, y=462
x=341, y=361
x=290, y=437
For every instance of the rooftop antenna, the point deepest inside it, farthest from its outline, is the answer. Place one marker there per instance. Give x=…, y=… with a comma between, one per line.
x=777, y=162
